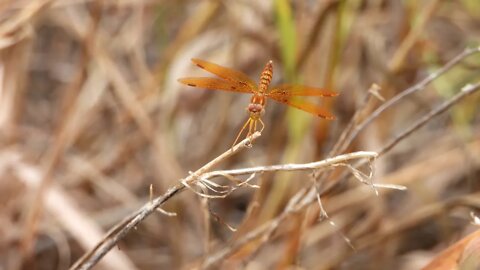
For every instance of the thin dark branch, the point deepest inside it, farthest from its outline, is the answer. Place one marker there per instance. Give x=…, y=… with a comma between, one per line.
x=371, y=94
x=417, y=87
x=466, y=91
x=91, y=258
x=310, y=197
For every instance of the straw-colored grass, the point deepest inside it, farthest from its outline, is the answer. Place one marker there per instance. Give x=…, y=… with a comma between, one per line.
x=98, y=139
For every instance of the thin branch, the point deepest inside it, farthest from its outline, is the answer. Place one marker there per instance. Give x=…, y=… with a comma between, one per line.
x=264, y=230
x=466, y=91
x=121, y=229
x=91, y=258
x=298, y=202
x=341, y=142
x=294, y=167
x=311, y=195
x=371, y=94
x=415, y=88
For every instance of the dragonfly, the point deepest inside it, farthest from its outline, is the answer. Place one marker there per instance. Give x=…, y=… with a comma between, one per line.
x=236, y=81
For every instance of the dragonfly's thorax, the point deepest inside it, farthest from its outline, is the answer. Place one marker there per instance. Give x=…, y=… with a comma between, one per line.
x=266, y=77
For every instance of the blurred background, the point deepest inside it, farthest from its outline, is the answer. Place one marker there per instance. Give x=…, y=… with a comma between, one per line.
x=91, y=114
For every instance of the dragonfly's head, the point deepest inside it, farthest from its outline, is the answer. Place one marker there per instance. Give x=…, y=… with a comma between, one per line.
x=256, y=106
x=256, y=110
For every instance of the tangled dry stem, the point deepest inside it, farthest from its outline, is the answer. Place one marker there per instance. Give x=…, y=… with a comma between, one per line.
x=201, y=179
x=119, y=231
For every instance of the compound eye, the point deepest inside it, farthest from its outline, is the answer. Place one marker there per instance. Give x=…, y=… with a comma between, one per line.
x=255, y=108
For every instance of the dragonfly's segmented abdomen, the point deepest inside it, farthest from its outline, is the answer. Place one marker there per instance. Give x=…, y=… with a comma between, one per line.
x=266, y=77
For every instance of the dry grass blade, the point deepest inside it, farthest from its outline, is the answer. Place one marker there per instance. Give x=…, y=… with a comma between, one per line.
x=67, y=213
x=92, y=114
x=451, y=257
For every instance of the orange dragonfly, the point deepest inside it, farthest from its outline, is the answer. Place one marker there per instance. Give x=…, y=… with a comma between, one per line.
x=236, y=81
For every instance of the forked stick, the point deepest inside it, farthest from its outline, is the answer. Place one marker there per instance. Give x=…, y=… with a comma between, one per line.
x=91, y=258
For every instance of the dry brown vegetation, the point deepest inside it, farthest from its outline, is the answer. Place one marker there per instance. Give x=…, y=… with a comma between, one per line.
x=96, y=134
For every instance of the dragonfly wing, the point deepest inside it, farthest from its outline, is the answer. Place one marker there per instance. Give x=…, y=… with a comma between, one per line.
x=300, y=90
x=304, y=106
x=215, y=84
x=225, y=73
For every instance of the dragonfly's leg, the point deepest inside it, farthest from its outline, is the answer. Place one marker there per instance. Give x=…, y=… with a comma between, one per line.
x=263, y=124
x=250, y=127
x=241, y=131
x=251, y=130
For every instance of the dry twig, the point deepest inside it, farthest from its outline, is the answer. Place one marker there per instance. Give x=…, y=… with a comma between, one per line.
x=267, y=229
x=91, y=258
x=297, y=203
x=407, y=92
x=467, y=90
